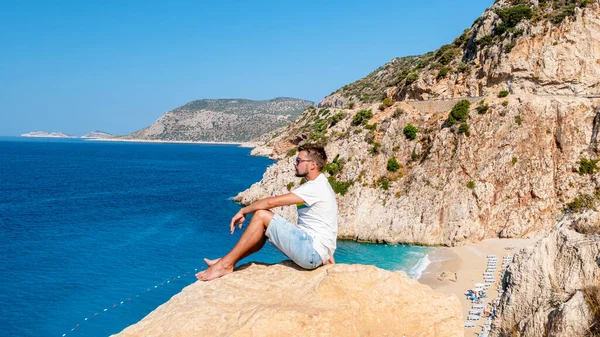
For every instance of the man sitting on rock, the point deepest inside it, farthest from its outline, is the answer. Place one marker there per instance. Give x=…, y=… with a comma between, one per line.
x=309, y=244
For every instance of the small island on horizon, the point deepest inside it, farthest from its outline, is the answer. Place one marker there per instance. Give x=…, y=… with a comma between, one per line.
x=42, y=134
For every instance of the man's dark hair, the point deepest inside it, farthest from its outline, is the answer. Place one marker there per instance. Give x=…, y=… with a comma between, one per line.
x=316, y=153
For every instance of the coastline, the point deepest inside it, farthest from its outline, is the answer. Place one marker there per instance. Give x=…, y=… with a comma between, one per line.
x=163, y=141
x=455, y=270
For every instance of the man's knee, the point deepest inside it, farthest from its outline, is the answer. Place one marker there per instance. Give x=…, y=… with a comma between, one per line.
x=264, y=216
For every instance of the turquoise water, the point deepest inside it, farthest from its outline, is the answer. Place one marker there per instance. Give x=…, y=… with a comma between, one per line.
x=86, y=225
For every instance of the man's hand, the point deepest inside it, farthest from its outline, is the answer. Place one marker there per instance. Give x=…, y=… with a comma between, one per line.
x=266, y=203
x=238, y=218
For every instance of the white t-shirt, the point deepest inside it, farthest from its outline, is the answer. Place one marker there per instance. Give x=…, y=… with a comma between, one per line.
x=318, y=215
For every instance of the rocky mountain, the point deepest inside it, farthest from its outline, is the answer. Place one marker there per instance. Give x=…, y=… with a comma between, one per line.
x=223, y=120
x=46, y=134
x=493, y=135
x=335, y=300
x=97, y=135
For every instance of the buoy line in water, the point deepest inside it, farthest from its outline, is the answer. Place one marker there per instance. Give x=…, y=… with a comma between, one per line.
x=121, y=303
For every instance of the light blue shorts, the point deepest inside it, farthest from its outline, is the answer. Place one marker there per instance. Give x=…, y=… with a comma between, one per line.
x=293, y=242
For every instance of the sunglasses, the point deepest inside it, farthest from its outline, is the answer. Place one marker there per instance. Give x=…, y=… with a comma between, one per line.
x=298, y=160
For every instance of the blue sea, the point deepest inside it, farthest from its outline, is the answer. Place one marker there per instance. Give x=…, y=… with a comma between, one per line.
x=95, y=235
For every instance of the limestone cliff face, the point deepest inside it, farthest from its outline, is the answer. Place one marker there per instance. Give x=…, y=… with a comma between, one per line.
x=509, y=174
x=545, y=287
x=280, y=300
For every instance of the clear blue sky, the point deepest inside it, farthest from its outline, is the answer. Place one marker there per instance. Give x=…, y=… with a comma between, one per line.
x=116, y=66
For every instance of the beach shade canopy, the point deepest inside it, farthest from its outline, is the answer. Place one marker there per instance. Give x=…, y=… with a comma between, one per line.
x=477, y=289
x=479, y=284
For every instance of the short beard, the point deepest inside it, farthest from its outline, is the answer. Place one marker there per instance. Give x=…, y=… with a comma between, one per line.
x=301, y=175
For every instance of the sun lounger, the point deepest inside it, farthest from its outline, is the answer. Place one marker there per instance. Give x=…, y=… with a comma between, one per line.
x=473, y=317
x=469, y=325
x=475, y=312
x=491, y=255
x=478, y=306
x=482, y=335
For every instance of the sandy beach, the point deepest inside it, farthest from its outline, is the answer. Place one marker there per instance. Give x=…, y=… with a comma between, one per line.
x=457, y=269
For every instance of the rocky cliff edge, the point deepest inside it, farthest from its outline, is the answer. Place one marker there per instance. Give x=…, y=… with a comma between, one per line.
x=280, y=300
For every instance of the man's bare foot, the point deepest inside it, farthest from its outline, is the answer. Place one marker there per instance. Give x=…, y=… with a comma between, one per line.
x=211, y=262
x=330, y=260
x=215, y=271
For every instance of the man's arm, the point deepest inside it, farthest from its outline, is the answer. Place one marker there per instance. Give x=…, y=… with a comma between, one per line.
x=266, y=203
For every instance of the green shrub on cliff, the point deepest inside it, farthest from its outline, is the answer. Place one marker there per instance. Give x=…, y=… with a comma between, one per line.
x=511, y=16
x=393, y=165
x=580, y=204
x=482, y=109
x=292, y=152
x=362, y=117
x=464, y=128
x=460, y=112
x=442, y=73
x=411, y=78
x=410, y=131
x=588, y=166
x=334, y=167
x=340, y=187
x=568, y=10
x=387, y=102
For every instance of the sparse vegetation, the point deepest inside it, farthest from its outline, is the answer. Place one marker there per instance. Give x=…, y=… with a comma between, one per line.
x=387, y=102
x=292, y=152
x=588, y=166
x=393, y=165
x=362, y=117
x=411, y=78
x=503, y=93
x=511, y=16
x=464, y=128
x=518, y=120
x=460, y=112
x=375, y=149
x=335, y=166
x=485, y=41
x=568, y=10
x=514, y=160
x=383, y=182
x=340, y=187
x=580, y=204
x=505, y=103
x=471, y=185
x=398, y=112
x=482, y=109
x=333, y=120
x=410, y=131
x=371, y=127
x=442, y=73
x=290, y=185
x=509, y=47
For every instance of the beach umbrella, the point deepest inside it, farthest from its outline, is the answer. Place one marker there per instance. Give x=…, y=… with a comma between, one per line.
x=479, y=284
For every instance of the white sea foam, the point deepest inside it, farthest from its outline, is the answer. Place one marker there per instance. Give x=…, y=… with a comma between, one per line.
x=417, y=270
